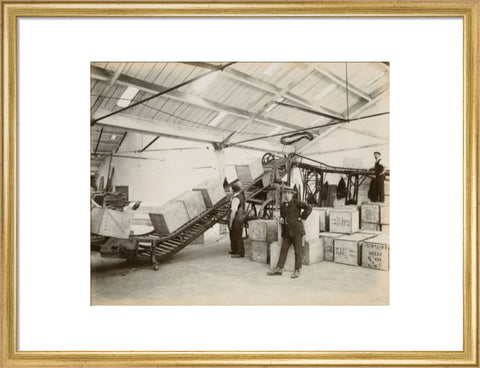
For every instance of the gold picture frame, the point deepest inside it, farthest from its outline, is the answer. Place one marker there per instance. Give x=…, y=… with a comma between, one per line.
x=467, y=10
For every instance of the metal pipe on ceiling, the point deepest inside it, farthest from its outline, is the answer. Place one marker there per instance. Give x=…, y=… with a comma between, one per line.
x=306, y=129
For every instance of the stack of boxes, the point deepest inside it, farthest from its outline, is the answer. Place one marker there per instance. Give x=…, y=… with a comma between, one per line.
x=262, y=233
x=183, y=208
x=375, y=216
x=334, y=235
x=313, y=245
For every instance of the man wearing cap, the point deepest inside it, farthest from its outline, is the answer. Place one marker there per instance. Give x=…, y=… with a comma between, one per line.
x=379, y=177
x=292, y=212
x=236, y=218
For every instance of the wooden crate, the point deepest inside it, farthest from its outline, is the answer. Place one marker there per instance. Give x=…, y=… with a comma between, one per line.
x=344, y=221
x=212, y=191
x=370, y=226
x=372, y=232
x=313, y=251
x=312, y=225
x=263, y=230
x=231, y=174
x=384, y=214
x=370, y=213
x=376, y=252
x=275, y=255
x=112, y=223
x=348, y=248
x=250, y=172
x=169, y=217
x=323, y=216
x=260, y=251
x=328, y=245
x=376, y=213
x=193, y=201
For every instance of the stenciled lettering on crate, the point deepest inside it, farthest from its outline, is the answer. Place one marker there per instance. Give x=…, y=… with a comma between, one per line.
x=328, y=245
x=344, y=221
x=263, y=230
x=348, y=248
x=376, y=252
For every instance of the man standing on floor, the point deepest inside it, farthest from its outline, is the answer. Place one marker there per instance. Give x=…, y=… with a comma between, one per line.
x=292, y=212
x=235, y=222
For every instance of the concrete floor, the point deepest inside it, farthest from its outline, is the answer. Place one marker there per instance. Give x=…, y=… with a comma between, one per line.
x=204, y=274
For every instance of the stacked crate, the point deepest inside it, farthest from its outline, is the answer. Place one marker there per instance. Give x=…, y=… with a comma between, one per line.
x=262, y=233
x=329, y=245
x=108, y=222
x=323, y=217
x=313, y=245
x=177, y=212
x=348, y=248
x=376, y=252
x=375, y=216
x=212, y=191
x=169, y=217
x=344, y=220
x=249, y=172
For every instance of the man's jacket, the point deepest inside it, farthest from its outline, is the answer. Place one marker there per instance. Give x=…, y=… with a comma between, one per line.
x=293, y=213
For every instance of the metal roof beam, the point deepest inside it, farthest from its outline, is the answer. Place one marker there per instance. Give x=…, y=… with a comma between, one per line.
x=125, y=80
x=176, y=131
x=268, y=87
x=357, y=110
x=348, y=149
x=340, y=81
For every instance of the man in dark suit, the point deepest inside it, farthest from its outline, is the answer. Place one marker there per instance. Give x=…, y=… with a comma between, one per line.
x=379, y=178
x=292, y=212
x=236, y=217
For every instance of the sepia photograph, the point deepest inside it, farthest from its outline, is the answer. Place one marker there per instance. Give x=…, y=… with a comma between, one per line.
x=240, y=183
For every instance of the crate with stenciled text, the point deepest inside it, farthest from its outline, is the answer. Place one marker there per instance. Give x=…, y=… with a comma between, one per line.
x=263, y=230
x=328, y=245
x=348, y=248
x=376, y=252
x=345, y=221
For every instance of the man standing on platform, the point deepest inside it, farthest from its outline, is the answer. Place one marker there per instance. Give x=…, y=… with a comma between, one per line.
x=292, y=212
x=235, y=222
x=379, y=178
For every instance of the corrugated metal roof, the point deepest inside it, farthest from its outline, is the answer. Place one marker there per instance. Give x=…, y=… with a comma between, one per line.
x=246, y=94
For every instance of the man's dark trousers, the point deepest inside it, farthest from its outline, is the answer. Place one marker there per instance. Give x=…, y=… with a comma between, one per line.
x=236, y=239
x=297, y=245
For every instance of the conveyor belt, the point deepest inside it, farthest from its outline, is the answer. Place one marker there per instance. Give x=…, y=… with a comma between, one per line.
x=166, y=246
x=158, y=248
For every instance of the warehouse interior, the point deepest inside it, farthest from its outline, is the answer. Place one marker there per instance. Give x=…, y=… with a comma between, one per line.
x=164, y=134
